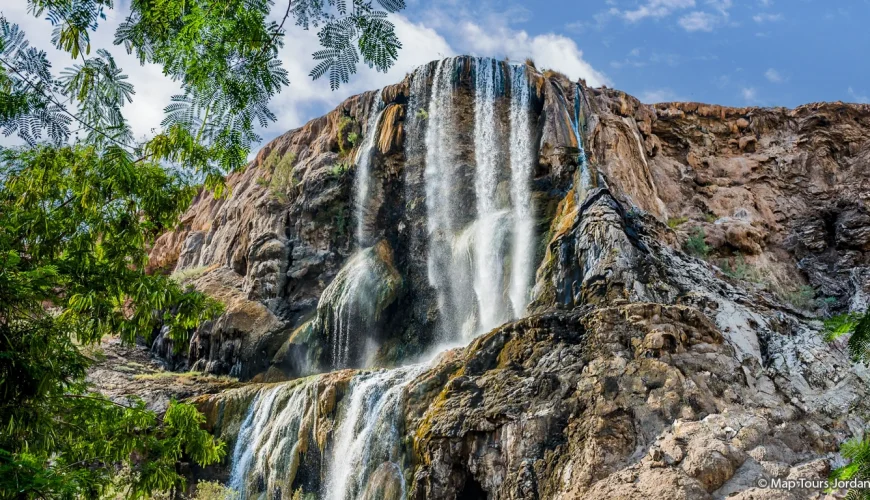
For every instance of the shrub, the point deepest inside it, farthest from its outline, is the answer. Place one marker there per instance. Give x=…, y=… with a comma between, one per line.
x=283, y=174
x=353, y=137
x=531, y=62
x=345, y=144
x=188, y=274
x=338, y=170
x=422, y=114
x=549, y=74
x=696, y=244
x=213, y=490
x=675, y=222
x=803, y=297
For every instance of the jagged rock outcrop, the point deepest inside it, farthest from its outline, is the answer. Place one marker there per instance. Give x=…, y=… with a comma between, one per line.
x=666, y=381
x=635, y=370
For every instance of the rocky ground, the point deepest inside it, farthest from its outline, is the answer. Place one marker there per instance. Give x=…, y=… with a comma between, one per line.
x=120, y=371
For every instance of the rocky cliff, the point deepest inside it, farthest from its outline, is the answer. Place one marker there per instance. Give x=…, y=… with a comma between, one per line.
x=639, y=288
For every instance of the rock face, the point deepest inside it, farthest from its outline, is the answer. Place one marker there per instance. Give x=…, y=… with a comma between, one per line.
x=668, y=345
x=665, y=381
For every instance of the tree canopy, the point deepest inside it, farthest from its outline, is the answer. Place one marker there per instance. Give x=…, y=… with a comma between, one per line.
x=82, y=201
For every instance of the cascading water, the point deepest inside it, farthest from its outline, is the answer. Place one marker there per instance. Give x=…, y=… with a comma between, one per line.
x=275, y=432
x=488, y=258
x=369, y=435
x=354, y=301
x=466, y=261
x=522, y=162
x=363, y=169
x=449, y=278
x=585, y=175
x=280, y=429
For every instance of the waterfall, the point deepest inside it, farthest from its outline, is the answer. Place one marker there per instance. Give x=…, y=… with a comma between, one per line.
x=522, y=162
x=351, y=305
x=488, y=262
x=369, y=434
x=449, y=278
x=280, y=430
x=585, y=176
x=276, y=431
x=363, y=170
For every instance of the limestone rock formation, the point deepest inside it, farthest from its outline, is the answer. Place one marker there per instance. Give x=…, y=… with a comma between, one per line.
x=635, y=291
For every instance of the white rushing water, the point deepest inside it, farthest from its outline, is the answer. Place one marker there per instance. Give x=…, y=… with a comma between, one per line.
x=469, y=243
x=585, y=175
x=369, y=434
x=343, y=296
x=523, y=159
x=488, y=256
x=280, y=428
x=450, y=278
x=267, y=453
x=351, y=305
x=364, y=169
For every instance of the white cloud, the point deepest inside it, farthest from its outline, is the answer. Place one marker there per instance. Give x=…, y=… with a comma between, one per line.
x=707, y=21
x=698, y=21
x=575, y=27
x=855, y=96
x=659, y=95
x=656, y=9
x=766, y=18
x=773, y=76
x=720, y=6
x=749, y=94
x=548, y=50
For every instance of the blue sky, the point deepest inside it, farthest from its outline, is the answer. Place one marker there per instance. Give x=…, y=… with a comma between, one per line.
x=740, y=52
x=732, y=52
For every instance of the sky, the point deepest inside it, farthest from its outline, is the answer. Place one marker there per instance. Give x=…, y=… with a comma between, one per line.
x=731, y=52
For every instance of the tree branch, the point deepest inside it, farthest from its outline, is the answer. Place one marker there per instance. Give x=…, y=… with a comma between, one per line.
x=54, y=101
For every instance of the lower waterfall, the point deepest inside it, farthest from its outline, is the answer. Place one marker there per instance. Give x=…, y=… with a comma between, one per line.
x=275, y=432
x=370, y=435
x=281, y=428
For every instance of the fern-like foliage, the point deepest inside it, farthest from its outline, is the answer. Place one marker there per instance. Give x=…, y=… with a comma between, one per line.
x=25, y=86
x=359, y=31
x=857, y=452
x=101, y=90
x=72, y=20
x=856, y=325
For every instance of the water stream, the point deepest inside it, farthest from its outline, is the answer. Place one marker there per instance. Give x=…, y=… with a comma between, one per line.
x=363, y=169
x=488, y=255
